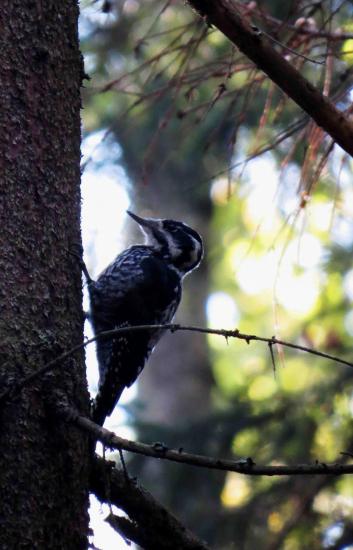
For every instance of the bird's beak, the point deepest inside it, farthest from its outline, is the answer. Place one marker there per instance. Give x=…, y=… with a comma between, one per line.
x=143, y=222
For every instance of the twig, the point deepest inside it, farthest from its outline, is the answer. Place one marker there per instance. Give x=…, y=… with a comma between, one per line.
x=123, y=465
x=17, y=388
x=294, y=52
x=158, y=450
x=270, y=345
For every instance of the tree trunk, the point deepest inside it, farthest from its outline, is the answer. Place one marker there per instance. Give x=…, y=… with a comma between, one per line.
x=43, y=464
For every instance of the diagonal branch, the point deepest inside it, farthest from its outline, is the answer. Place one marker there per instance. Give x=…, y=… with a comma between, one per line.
x=224, y=15
x=151, y=525
x=158, y=450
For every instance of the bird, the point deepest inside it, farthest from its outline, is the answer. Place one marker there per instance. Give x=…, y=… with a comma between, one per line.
x=142, y=286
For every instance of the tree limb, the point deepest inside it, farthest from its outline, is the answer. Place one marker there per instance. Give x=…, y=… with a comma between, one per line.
x=152, y=526
x=224, y=15
x=158, y=450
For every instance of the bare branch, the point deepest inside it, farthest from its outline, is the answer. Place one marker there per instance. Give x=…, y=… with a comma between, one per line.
x=158, y=450
x=225, y=16
x=304, y=28
x=9, y=393
x=285, y=47
x=153, y=525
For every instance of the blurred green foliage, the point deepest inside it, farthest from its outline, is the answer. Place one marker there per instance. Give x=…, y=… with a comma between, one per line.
x=185, y=106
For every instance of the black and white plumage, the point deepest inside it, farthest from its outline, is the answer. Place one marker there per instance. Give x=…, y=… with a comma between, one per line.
x=142, y=286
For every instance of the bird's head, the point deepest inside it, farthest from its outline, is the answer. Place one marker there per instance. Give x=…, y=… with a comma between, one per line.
x=176, y=241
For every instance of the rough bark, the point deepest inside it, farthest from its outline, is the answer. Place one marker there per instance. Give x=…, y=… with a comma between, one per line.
x=43, y=466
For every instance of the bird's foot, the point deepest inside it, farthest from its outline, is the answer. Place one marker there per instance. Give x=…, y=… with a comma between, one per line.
x=76, y=250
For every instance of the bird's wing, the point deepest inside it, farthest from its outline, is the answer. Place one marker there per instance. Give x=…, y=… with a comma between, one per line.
x=136, y=289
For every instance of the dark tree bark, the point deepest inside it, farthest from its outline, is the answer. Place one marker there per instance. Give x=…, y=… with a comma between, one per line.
x=43, y=464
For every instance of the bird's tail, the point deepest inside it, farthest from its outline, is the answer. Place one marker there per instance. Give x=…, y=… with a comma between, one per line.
x=105, y=402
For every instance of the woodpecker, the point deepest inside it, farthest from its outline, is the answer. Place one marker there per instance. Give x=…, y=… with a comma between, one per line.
x=142, y=286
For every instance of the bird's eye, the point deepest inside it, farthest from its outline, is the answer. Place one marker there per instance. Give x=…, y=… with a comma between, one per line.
x=172, y=229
